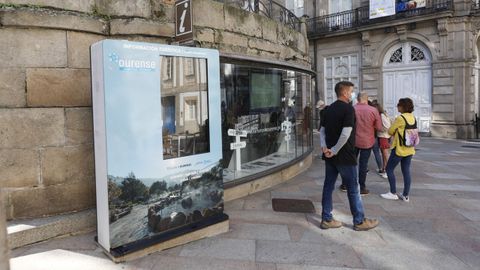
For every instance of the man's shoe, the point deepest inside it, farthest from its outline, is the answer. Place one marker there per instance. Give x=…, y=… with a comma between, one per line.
x=343, y=188
x=403, y=198
x=389, y=196
x=366, y=225
x=332, y=224
x=364, y=191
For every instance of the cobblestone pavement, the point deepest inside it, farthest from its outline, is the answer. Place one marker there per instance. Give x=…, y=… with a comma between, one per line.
x=438, y=229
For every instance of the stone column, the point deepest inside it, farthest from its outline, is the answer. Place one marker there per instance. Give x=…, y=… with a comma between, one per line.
x=4, y=251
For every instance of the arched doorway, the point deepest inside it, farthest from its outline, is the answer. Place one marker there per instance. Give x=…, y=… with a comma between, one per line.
x=407, y=72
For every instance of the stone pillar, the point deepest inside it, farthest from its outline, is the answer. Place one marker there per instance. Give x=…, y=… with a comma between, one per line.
x=4, y=251
x=452, y=96
x=371, y=79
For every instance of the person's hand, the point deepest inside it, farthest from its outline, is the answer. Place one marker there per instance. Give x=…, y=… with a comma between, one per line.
x=327, y=152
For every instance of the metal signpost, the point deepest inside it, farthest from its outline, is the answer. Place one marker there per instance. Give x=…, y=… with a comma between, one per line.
x=237, y=146
x=287, y=127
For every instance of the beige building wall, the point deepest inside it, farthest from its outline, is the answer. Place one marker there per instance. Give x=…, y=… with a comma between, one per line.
x=450, y=40
x=46, y=150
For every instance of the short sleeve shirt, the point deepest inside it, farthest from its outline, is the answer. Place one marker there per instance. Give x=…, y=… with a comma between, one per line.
x=337, y=116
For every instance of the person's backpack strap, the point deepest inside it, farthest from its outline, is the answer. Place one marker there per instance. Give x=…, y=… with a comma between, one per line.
x=407, y=125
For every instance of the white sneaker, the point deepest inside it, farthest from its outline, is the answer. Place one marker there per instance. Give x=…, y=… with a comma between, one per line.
x=383, y=175
x=404, y=198
x=389, y=196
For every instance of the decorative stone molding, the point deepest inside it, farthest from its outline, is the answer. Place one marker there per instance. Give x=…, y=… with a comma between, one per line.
x=402, y=32
x=366, y=49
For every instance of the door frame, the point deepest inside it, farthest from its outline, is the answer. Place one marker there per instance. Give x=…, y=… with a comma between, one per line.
x=408, y=65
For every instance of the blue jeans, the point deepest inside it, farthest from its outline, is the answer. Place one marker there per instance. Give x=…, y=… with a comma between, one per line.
x=405, y=165
x=376, y=153
x=349, y=177
x=363, y=165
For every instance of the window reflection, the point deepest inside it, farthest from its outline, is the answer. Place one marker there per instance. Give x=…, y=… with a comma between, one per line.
x=273, y=106
x=184, y=106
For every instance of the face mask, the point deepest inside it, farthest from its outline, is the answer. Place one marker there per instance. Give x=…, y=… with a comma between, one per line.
x=353, y=96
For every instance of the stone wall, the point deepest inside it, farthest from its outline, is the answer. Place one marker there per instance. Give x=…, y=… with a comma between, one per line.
x=46, y=148
x=4, y=248
x=235, y=31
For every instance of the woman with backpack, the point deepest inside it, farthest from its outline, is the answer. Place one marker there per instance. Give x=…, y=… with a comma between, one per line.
x=405, y=138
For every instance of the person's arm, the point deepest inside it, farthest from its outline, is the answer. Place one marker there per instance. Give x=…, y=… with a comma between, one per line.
x=398, y=123
x=378, y=122
x=386, y=122
x=346, y=131
x=323, y=143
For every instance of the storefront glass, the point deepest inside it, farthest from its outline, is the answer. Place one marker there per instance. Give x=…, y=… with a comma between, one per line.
x=266, y=116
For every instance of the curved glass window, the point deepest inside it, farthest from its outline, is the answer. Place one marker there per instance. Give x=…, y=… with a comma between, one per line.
x=266, y=118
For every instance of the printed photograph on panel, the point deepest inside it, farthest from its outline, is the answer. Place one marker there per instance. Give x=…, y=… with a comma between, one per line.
x=158, y=179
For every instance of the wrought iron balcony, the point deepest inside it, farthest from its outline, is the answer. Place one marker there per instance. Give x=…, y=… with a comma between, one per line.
x=354, y=19
x=267, y=8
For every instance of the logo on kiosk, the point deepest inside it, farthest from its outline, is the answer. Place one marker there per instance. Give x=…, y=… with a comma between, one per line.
x=132, y=64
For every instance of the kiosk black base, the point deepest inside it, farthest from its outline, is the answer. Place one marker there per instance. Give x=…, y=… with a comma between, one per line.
x=207, y=227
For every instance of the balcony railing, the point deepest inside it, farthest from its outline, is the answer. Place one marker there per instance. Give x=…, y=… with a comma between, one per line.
x=267, y=8
x=352, y=19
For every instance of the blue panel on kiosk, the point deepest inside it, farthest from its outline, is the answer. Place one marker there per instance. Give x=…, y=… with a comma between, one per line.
x=157, y=128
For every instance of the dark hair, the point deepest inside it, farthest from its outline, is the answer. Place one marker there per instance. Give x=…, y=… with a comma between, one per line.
x=406, y=104
x=340, y=86
x=379, y=107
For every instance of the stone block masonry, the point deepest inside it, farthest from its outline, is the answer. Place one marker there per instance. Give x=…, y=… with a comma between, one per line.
x=46, y=146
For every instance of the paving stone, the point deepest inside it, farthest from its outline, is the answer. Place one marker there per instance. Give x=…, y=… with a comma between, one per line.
x=58, y=259
x=410, y=224
x=267, y=217
x=296, y=231
x=466, y=204
x=258, y=231
x=162, y=262
x=234, y=205
x=259, y=204
x=470, y=258
x=74, y=243
x=221, y=248
x=311, y=267
x=471, y=215
x=453, y=226
x=448, y=176
x=428, y=241
x=449, y=187
x=289, y=195
x=383, y=258
x=343, y=236
x=306, y=253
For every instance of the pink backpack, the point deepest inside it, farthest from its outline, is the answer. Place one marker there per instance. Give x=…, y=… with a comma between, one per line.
x=410, y=136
